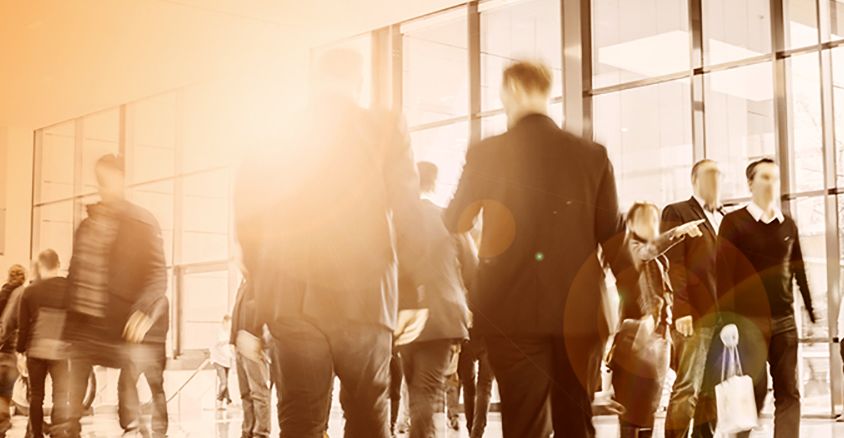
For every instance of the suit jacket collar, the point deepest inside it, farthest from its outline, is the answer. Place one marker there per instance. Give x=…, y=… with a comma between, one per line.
x=695, y=206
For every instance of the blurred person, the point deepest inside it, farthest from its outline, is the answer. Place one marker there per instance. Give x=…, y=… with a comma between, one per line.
x=41, y=319
x=640, y=354
x=316, y=216
x=149, y=358
x=222, y=357
x=438, y=286
x=253, y=372
x=10, y=295
x=758, y=260
x=117, y=275
x=549, y=204
x=396, y=383
x=475, y=375
x=693, y=280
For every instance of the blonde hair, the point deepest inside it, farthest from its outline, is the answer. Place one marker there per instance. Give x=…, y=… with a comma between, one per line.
x=533, y=76
x=17, y=275
x=639, y=206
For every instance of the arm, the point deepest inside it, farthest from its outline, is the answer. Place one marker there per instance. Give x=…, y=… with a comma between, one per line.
x=798, y=269
x=155, y=278
x=24, y=322
x=677, y=262
x=647, y=251
x=609, y=223
x=466, y=204
x=468, y=258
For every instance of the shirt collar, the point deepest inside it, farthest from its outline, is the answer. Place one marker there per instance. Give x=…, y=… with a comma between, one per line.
x=702, y=204
x=757, y=213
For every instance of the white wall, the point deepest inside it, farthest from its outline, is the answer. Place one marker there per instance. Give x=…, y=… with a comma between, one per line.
x=16, y=179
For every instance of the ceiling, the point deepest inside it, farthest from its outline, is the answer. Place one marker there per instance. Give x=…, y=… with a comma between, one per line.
x=59, y=60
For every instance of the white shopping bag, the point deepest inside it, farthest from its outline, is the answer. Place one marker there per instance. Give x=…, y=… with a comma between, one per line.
x=734, y=396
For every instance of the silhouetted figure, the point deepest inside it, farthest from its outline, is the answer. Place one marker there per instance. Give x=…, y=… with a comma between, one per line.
x=314, y=224
x=759, y=258
x=253, y=372
x=117, y=275
x=41, y=319
x=10, y=295
x=222, y=359
x=548, y=200
x=693, y=280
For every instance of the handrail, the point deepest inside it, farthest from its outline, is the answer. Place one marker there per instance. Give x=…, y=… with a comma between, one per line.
x=195, y=372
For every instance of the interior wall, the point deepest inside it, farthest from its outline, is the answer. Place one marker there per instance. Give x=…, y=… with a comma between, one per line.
x=16, y=186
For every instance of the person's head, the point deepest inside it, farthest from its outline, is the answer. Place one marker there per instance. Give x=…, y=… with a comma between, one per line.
x=17, y=275
x=427, y=176
x=339, y=72
x=643, y=220
x=763, y=177
x=110, y=176
x=47, y=264
x=706, y=181
x=525, y=89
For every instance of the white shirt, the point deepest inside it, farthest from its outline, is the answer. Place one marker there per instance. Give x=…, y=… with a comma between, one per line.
x=757, y=212
x=714, y=217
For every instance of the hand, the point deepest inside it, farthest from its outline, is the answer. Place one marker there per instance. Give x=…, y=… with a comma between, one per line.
x=137, y=327
x=22, y=369
x=691, y=229
x=685, y=325
x=730, y=335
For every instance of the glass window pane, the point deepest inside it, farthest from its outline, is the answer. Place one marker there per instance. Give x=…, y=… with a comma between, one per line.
x=361, y=44
x=808, y=213
x=205, y=131
x=152, y=139
x=523, y=30
x=444, y=146
x=101, y=136
x=739, y=121
x=53, y=225
x=838, y=104
x=805, y=130
x=801, y=23
x=735, y=29
x=836, y=17
x=814, y=371
x=157, y=197
x=205, y=209
x=436, y=68
x=627, y=33
x=56, y=166
x=648, y=134
x=205, y=300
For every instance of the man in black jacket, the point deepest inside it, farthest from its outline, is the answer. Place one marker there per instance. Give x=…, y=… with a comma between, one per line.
x=40, y=322
x=759, y=259
x=549, y=203
x=117, y=275
x=314, y=223
x=10, y=295
x=693, y=280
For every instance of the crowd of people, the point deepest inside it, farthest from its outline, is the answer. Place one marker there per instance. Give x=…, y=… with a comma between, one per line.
x=351, y=272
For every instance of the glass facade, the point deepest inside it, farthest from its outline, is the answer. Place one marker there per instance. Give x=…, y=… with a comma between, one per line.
x=665, y=83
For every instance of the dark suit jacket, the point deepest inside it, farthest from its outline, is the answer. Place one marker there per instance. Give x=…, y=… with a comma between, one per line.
x=692, y=270
x=549, y=201
x=313, y=216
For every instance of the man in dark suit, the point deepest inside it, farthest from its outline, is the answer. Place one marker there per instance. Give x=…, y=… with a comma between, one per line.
x=313, y=220
x=548, y=200
x=693, y=279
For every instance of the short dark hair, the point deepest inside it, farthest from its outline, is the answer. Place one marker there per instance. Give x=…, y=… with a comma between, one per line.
x=696, y=167
x=49, y=259
x=111, y=161
x=427, y=175
x=750, y=172
x=531, y=75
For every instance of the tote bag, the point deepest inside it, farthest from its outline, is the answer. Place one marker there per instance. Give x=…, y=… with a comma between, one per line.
x=734, y=396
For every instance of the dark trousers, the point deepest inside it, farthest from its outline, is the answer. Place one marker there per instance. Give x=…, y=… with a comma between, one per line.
x=8, y=376
x=477, y=385
x=310, y=355
x=222, y=383
x=424, y=365
x=690, y=401
x=38, y=370
x=253, y=380
x=545, y=384
x=149, y=360
x=396, y=377
x=780, y=352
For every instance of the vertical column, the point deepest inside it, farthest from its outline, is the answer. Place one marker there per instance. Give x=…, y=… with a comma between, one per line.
x=381, y=68
x=698, y=95
x=474, y=44
x=577, y=65
x=780, y=76
x=396, y=66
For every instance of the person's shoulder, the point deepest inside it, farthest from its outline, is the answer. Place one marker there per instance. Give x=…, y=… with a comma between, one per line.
x=140, y=214
x=583, y=146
